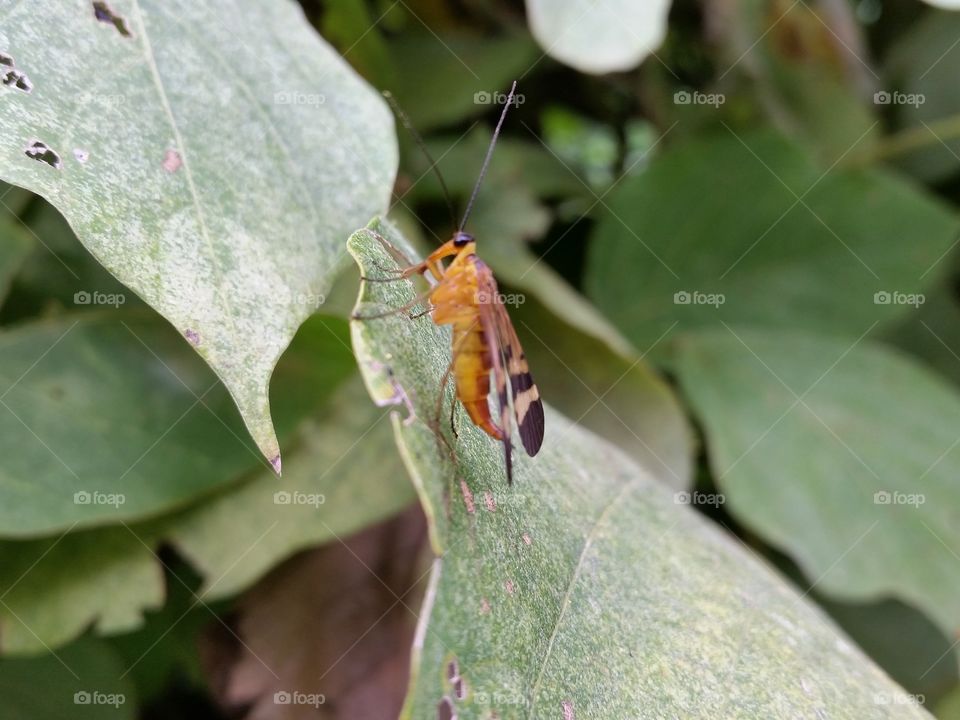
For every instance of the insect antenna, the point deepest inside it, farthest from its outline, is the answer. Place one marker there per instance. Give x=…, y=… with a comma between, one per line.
x=405, y=120
x=486, y=160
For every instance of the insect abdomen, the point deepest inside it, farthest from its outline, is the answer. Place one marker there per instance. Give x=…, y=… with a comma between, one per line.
x=471, y=367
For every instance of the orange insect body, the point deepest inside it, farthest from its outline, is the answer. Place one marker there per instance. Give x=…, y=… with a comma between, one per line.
x=484, y=341
x=454, y=302
x=466, y=297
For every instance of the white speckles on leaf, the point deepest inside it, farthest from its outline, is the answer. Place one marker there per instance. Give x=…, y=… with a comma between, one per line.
x=622, y=573
x=262, y=195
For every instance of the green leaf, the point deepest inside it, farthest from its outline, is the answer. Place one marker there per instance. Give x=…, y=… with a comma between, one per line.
x=949, y=707
x=480, y=68
x=746, y=229
x=903, y=642
x=162, y=654
x=81, y=682
x=502, y=221
x=459, y=157
x=54, y=588
x=211, y=159
x=586, y=557
x=618, y=397
x=343, y=476
x=15, y=246
x=60, y=274
x=920, y=90
x=109, y=417
x=598, y=37
x=842, y=454
x=932, y=331
x=507, y=214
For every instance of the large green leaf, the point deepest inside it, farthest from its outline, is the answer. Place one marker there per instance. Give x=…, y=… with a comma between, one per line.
x=587, y=557
x=109, y=416
x=747, y=229
x=15, y=246
x=344, y=475
x=618, y=397
x=598, y=37
x=82, y=682
x=920, y=89
x=842, y=454
x=211, y=159
x=52, y=589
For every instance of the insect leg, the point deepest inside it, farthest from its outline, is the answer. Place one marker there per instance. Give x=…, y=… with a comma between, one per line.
x=439, y=408
x=396, y=311
x=395, y=252
x=453, y=417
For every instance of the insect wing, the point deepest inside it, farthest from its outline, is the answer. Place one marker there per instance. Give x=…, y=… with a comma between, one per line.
x=508, y=353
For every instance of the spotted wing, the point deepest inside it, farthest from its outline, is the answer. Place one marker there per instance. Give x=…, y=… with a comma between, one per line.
x=527, y=406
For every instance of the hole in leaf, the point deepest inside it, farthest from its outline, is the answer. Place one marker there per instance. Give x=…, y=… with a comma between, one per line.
x=445, y=710
x=6, y=60
x=41, y=152
x=104, y=13
x=18, y=79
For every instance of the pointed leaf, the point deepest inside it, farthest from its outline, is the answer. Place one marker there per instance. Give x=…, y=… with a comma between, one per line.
x=211, y=159
x=586, y=556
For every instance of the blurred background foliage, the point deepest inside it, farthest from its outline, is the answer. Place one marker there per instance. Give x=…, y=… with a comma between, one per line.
x=766, y=156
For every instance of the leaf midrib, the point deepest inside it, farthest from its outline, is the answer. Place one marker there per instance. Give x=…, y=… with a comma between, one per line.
x=587, y=544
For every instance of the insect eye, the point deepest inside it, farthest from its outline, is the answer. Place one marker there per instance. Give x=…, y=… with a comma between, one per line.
x=461, y=238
